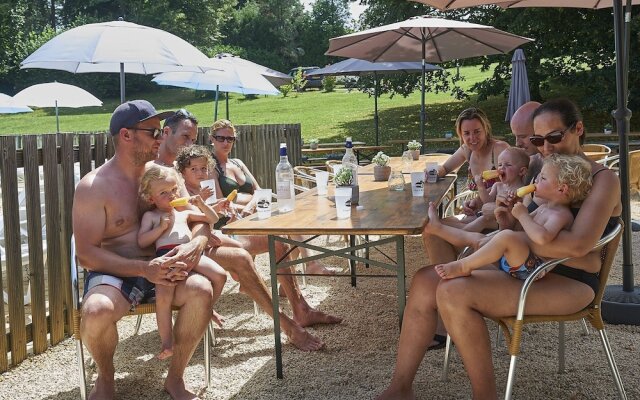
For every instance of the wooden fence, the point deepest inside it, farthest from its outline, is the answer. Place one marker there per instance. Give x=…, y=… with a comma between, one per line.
x=37, y=169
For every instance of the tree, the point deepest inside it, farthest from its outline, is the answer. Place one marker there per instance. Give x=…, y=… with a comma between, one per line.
x=327, y=19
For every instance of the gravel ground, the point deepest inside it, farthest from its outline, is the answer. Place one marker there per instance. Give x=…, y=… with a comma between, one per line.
x=357, y=362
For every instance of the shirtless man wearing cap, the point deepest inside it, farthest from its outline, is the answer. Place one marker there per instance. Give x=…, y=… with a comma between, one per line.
x=105, y=222
x=181, y=130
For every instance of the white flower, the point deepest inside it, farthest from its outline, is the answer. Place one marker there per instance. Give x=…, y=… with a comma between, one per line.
x=414, y=145
x=381, y=159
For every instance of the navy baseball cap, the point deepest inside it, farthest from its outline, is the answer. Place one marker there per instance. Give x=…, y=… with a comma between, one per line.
x=131, y=113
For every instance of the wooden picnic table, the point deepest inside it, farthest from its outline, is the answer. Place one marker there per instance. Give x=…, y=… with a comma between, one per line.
x=362, y=152
x=380, y=212
x=451, y=142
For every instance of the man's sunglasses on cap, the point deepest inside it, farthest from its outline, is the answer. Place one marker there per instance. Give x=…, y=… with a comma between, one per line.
x=554, y=137
x=180, y=115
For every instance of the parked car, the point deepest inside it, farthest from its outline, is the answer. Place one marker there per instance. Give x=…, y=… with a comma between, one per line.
x=312, y=81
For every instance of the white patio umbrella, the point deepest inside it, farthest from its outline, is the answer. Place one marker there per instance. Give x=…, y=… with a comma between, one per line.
x=276, y=78
x=354, y=66
x=621, y=304
x=226, y=77
x=56, y=95
x=117, y=46
x=519, y=89
x=427, y=39
x=8, y=105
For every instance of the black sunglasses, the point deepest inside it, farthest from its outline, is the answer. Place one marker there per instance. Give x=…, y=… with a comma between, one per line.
x=554, y=137
x=156, y=133
x=221, y=139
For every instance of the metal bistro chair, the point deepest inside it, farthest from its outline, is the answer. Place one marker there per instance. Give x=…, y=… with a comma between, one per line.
x=140, y=310
x=513, y=326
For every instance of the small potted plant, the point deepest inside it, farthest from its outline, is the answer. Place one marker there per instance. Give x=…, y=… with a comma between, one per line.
x=381, y=169
x=607, y=129
x=346, y=177
x=414, y=147
x=313, y=144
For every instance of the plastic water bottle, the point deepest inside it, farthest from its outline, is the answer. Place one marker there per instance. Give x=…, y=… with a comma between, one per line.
x=284, y=182
x=350, y=160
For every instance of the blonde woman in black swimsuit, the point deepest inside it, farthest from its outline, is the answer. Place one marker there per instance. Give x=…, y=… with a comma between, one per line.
x=463, y=302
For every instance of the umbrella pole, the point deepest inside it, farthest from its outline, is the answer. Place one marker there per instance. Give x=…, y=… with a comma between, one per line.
x=215, y=108
x=121, y=83
x=621, y=304
x=423, y=115
x=375, y=102
x=57, y=119
x=227, y=104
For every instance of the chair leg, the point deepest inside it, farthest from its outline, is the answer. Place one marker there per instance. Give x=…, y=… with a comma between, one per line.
x=207, y=356
x=256, y=310
x=138, y=323
x=212, y=334
x=82, y=377
x=612, y=364
x=561, y=347
x=585, y=326
x=447, y=355
x=511, y=378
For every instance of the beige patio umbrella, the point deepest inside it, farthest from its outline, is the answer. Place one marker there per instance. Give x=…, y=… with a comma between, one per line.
x=433, y=40
x=621, y=304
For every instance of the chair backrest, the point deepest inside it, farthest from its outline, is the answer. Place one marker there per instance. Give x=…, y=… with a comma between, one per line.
x=454, y=206
x=607, y=255
x=596, y=147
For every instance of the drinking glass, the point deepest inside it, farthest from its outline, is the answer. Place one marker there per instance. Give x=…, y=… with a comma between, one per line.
x=322, y=178
x=396, y=181
x=417, y=184
x=407, y=161
x=263, y=203
x=343, y=202
x=211, y=184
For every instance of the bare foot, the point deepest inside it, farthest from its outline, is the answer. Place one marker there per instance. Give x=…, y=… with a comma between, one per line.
x=165, y=353
x=396, y=394
x=314, y=317
x=303, y=340
x=217, y=318
x=315, y=267
x=103, y=389
x=177, y=390
x=451, y=270
x=433, y=225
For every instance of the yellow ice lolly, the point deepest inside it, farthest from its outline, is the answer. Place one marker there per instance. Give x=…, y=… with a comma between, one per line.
x=525, y=190
x=179, y=202
x=232, y=195
x=490, y=174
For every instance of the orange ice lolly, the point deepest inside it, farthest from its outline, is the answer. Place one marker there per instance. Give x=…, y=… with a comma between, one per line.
x=179, y=202
x=232, y=195
x=490, y=174
x=525, y=190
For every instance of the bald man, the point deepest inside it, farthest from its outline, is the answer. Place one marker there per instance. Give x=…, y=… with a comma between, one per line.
x=522, y=128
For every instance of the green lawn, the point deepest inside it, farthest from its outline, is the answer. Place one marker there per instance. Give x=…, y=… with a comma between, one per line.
x=327, y=116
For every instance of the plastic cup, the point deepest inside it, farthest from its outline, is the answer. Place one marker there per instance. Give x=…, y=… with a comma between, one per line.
x=322, y=178
x=343, y=202
x=263, y=203
x=431, y=172
x=211, y=184
x=417, y=184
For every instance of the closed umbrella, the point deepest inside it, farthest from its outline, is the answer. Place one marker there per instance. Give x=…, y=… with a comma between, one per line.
x=117, y=46
x=354, y=66
x=621, y=304
x=519, y=89
x=427, y=39
x=56, y=95
x=224, y=78
x=8, y=105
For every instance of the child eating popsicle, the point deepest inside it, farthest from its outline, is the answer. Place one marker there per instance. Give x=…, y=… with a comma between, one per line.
x=564, y=180
x=167, y=227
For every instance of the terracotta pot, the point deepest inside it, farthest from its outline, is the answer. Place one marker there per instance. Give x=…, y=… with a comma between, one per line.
x=415, y=154
x=381, y=172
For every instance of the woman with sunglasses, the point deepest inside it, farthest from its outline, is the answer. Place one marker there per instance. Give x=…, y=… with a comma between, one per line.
x=463, y=302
